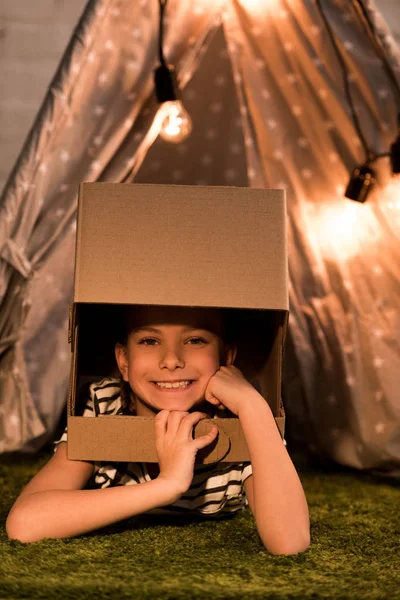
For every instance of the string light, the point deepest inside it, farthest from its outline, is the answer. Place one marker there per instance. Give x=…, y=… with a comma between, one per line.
x=176, y=124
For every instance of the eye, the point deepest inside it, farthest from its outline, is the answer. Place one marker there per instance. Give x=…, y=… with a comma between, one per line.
x=198, y=338
x=147, y=340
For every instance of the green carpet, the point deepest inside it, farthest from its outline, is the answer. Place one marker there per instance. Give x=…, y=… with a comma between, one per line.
x=354, y=552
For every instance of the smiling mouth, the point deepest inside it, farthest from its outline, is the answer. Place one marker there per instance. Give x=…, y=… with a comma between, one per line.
x=173, y=389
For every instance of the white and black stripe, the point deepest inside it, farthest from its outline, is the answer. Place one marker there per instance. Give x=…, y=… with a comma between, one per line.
x=215, y=490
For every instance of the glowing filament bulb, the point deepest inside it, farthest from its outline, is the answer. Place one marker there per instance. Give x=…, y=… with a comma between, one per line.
x=176, y=123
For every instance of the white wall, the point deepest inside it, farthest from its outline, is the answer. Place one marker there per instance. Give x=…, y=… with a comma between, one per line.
x=33, y=37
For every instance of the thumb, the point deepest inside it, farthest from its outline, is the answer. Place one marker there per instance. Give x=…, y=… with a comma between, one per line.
x=205, y=440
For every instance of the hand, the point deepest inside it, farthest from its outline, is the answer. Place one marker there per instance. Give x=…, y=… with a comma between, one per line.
x=228, y=388
x=176, y=448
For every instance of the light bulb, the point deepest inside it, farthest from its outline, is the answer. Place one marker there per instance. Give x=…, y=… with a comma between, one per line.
x=176, y=123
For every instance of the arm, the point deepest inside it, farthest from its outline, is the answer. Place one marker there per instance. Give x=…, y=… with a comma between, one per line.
x=274, y=491
x=53, y=505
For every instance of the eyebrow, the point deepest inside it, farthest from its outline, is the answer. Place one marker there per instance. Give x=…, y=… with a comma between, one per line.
x=155, y=330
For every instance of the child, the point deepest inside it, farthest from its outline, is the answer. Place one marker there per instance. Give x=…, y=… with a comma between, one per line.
x=165, y=344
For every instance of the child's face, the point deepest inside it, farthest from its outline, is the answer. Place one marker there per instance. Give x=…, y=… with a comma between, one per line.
x=173, y=352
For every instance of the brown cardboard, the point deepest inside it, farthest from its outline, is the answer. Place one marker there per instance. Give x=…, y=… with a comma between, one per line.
x=170, y=245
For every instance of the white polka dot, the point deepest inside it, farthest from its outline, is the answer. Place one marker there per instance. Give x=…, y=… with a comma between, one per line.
x=43, y=168
x=216, y=107
x=380, y=427
x=13, y=420
x=102, y=78
x=322, y=92
x=206, y=160
x=65, y=155
x=190, y=94
x=220, y=80
x=109, y=45
x=378, y=362
x=136, y=33
x=306, y=173
x=378, y=396
x=383, y=93
x=98, y=140
x=230, y=174
x=235, y=148
x=99, y=110
x=347, y=284
x=251, y=173
x=291, y=77
x=277, y=154
x=297, y=110
x=95, y=165
x=378, y=333
x=91, y=56
x=132, y=65
x=350, y=381
x=377, y=270
x=63, y=187
x=260, y=64
x=302, y=142
x=177, y=174
x=333, y=157
x=271, y=124
x=348, y=45
x=63, y=356
x=210, y=134
x=128, y=123
x=340, y=189
x=288, y=46
x=315, y=29
x=265, y=94
x=329, y=125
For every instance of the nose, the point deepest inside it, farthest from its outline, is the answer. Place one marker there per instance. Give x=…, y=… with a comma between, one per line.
x=172, y=357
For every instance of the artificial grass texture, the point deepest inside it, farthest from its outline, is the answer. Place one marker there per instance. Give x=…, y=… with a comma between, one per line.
x=354, y=550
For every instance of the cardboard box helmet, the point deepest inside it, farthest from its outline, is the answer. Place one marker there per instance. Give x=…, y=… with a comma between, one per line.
x=204, y=248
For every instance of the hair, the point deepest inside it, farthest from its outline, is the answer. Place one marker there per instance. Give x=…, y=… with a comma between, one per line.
x=128, y=322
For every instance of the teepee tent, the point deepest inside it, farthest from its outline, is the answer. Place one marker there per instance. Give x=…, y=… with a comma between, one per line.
x=272, y=88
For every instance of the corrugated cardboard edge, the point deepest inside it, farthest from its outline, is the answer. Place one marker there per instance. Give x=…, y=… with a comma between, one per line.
x=120, y=439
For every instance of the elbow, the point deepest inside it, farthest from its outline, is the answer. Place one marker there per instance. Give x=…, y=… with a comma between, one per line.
x=289, y=546
x=289, y=550
x=17, y=528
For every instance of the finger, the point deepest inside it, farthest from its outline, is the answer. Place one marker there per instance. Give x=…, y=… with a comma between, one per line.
x=186, y=425
x=160, y=421
x=205, y=440
x=174, y=420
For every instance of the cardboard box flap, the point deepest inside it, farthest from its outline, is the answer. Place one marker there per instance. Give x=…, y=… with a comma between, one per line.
x=181, y=245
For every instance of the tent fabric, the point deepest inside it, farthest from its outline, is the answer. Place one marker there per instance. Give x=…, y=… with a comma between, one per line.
x=288, y=125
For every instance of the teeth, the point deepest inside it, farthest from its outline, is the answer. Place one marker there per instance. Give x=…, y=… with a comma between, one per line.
x=178, y=384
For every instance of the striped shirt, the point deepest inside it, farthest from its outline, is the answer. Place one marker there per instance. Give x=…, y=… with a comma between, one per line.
x=215, y=489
